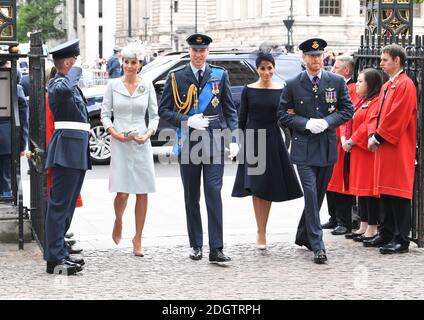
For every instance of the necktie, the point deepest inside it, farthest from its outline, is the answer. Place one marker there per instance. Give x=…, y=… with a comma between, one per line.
x=199, y=76
x=315, y=83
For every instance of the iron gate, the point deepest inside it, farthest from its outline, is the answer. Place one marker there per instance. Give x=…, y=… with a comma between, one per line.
x=37, y=136
x=368, y=56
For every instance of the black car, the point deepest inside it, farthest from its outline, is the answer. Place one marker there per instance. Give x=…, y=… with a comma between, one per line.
x=241, y=69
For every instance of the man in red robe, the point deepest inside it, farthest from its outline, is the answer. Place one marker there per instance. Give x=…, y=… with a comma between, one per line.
x=339, y=200
x=392, y=131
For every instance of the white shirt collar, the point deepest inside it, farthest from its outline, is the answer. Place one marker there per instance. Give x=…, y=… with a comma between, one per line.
x=347, y=80
x=319, y=75
x=397, y=74
x=195, y=70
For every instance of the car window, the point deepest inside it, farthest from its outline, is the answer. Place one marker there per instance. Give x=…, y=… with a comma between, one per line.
x=287, y=68
x=158, y=68
x=239, y=71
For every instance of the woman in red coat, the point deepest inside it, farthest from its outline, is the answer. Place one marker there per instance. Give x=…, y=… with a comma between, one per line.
x=361, y=181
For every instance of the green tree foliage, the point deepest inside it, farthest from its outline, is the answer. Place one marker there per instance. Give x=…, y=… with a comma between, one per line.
x=39, y=15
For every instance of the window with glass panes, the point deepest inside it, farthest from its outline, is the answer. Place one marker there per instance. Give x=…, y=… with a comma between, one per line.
x=362, y=8
x=330, y=7
x=417, y=10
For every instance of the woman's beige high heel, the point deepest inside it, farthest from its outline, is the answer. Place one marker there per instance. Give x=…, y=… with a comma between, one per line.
x=137, y=249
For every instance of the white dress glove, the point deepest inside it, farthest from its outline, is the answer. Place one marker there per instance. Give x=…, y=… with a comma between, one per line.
x=198, y=122
x=316, y=125
x=234, y=150
x=373, y=140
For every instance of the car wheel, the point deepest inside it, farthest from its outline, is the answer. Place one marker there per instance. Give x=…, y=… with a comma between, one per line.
x=286, y=134
x=99, y=143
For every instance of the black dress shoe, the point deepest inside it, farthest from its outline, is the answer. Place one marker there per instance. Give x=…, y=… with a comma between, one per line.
x=79, y=261
x=377, y=241
x=352, y=235
x=217, y=256
x=74, y=250
x=393, y=248
x=303, y=243
x=69, y=235
x=340, y=230
x=363, y=238
x=196, y=253
x=63, y=267
x=320, y=256
x=70, y=242
x=329, y=225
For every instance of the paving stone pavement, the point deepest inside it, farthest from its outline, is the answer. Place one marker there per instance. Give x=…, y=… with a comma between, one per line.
x=284, y=271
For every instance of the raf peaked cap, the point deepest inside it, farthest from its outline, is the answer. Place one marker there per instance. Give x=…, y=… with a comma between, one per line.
x=313, y=46
x=66, y=50
x=117, y=49
x=198, y=40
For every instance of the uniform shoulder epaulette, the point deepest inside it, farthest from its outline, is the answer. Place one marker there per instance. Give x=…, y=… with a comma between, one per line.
x=215, y=66
x=58, y=79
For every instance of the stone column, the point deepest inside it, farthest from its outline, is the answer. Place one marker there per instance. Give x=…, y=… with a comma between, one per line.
x=91, y=31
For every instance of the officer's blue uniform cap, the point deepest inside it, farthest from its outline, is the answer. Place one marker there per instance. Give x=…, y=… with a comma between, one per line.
x=117, y=49
x=313, y=46
x=198, y=41
x=66, y=50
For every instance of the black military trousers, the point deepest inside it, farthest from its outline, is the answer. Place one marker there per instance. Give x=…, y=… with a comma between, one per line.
x=314, y=183
x=340, y=208
x=5, y=173
x=396, y=220
x=212, y=185
x=65, y=188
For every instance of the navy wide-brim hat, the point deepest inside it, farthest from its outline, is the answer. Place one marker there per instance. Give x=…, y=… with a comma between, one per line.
x=313, y=46
x=66, y=50
x=198, y=41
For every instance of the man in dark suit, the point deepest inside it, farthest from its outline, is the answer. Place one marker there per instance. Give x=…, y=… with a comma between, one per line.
x=6, y=141
x=213, y=112
x=313, y=104
x=67, y=156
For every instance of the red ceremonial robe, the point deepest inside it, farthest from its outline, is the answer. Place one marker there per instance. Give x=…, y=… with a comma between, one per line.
x=337, y=182
x=361, y=177
x=395, y=159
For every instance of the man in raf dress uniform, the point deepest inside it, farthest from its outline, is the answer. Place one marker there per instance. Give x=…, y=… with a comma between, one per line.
x=313, y=104
x=393, y=131
x=197, y=99
x=113, y=65
x=67, y=156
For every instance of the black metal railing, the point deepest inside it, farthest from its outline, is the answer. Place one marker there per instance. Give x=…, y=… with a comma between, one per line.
x=368, y=56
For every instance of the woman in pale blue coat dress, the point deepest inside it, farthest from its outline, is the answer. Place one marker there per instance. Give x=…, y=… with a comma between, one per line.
x=131, y=170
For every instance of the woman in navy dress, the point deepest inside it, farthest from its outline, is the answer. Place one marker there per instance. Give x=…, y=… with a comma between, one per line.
x=271, y=178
